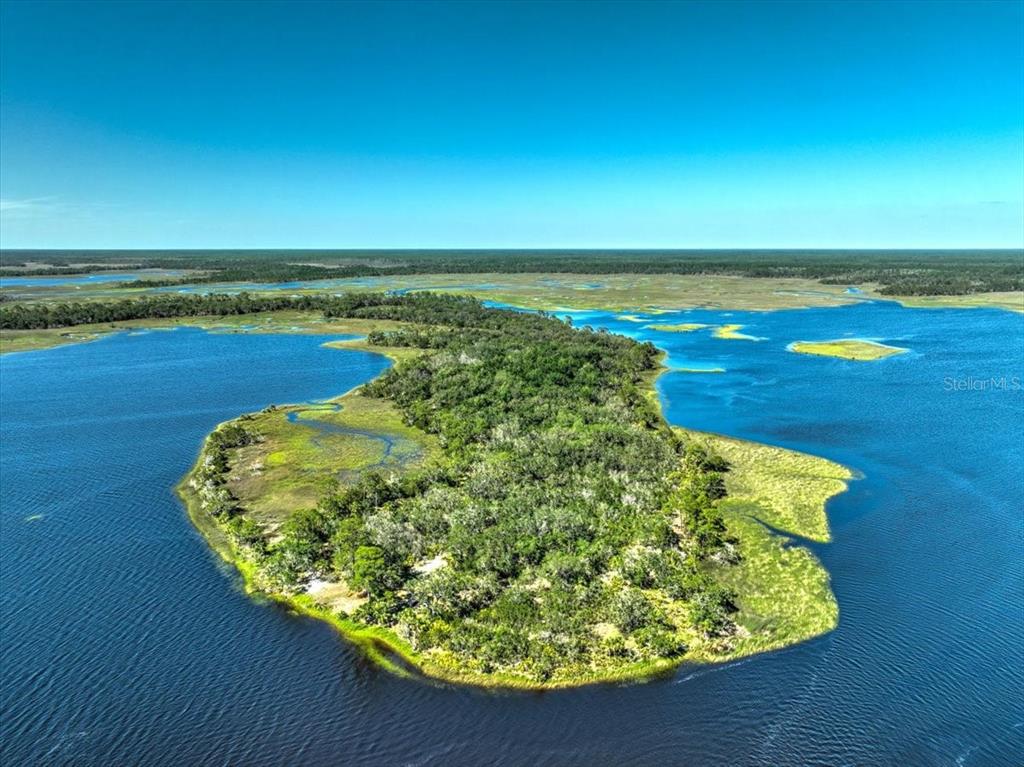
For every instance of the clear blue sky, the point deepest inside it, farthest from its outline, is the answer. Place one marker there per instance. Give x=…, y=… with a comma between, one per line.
x=728, y=124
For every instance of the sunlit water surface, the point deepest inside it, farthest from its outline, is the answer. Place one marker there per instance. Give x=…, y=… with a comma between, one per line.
x=125, y=641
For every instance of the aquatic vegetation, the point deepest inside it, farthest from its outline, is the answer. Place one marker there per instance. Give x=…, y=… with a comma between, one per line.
x=1010, y=300
x=847, y=349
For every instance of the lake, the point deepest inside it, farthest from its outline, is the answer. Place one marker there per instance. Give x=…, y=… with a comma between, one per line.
x=125, y=640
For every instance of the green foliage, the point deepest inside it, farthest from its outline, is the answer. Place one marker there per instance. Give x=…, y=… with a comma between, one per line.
x=375, y=572
x=631, y=610
x=247, y=533
x=712, y=607
x=349, y=534
x=660, y=643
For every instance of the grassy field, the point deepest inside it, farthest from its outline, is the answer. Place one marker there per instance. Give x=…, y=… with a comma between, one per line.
x=785, y=593
x=305, y=448
x=847, y=349
x=613, y=292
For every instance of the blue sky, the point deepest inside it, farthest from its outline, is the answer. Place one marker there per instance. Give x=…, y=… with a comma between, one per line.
x=689, y=125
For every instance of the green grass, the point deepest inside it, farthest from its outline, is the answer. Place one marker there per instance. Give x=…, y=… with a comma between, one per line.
x=784, y=590
x=613, y=292
x=730, y=332
x=785, y=595
x=847, y=349
x=32, y=340
x=633, y=292
x=787, y=489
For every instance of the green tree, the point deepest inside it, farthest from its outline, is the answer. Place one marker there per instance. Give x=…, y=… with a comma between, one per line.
x=372, y=571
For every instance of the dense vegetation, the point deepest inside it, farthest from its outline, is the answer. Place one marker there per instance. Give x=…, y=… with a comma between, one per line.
x=34, y=316
x=898, y=272
x=566, y=532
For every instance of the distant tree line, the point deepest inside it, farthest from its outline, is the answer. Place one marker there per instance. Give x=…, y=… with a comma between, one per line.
x=38, y=315
x=897, y=272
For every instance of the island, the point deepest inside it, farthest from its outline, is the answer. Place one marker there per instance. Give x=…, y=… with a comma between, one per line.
x=506, y=506
x=681, y=327
x=847, y=349
x=733, y=332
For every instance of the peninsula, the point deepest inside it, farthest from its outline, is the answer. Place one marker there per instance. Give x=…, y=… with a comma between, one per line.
x=535, y=522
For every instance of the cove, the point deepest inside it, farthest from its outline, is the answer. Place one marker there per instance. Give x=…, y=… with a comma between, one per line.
x=130, y=644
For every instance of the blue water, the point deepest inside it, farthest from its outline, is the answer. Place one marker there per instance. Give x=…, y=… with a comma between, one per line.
x=84, y=279
x=125, y=641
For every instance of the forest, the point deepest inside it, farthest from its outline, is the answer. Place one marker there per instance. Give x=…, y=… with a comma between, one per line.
x=36, y=316
x=897, y=272
x=565, y=532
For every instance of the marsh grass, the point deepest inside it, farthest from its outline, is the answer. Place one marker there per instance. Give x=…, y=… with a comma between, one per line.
x=773, y=493
x=305, y=448
x=847, y=349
